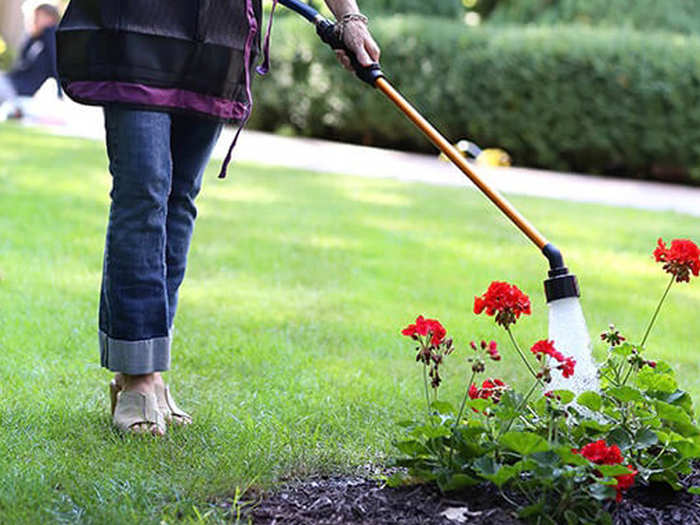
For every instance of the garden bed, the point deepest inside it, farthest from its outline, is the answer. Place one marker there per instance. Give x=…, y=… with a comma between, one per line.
x=355, y=499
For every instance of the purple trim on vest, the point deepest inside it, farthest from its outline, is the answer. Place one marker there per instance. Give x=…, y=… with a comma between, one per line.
x=247, y=52
x=103, y=92
x=265, y=66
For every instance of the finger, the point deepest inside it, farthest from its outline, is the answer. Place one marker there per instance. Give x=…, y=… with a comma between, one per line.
x=363, y=57
x=373, y=49
x=344, y=59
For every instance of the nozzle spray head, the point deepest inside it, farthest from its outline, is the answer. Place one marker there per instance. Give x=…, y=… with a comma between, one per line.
x=561, y=282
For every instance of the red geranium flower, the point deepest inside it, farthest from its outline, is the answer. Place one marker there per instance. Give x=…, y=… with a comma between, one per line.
x=681, y=259
x=600, y=453
x=490, y=388
x=505, y=301
x=567, y=367
x=424, y=327
x=624, y=482
x=545, y=347
x=492, y=350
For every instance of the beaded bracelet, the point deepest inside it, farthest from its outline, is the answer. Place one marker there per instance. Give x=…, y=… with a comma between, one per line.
x=346, y=19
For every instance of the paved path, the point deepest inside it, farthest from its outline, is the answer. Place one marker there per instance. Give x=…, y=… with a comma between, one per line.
x=334, y=157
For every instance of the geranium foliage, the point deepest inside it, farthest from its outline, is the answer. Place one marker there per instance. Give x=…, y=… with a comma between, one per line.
x=563, y=458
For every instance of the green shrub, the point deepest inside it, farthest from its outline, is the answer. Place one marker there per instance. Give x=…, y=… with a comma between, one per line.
x=5, y=56
x=681, y=16
x=567, y=98
x=447, y=8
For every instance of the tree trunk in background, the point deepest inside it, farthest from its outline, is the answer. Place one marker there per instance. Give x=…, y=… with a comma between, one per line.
x=11, y=22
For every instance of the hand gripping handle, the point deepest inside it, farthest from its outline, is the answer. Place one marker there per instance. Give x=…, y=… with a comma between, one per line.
x=369, y=74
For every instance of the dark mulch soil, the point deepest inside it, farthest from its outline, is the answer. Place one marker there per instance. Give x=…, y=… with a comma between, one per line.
x=362, y=500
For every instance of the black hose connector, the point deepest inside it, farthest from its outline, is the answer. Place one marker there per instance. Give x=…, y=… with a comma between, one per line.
x=370, y=74
x=301, y=8
x=561, y=283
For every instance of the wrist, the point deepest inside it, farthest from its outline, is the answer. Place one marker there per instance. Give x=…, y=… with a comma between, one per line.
x=349, y=20
x=341, y=8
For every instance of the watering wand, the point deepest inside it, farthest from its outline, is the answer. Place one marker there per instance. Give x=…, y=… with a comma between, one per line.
x=567, y=325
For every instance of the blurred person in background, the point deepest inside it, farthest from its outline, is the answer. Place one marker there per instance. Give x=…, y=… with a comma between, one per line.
x=168, y=74
x=36, y=62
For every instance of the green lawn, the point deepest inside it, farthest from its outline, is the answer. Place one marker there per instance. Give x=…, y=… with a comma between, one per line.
x=287, y=348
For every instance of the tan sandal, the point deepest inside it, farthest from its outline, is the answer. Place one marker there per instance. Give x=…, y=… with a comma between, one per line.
x=166, y=404
x=133, y=408
x=171, y=412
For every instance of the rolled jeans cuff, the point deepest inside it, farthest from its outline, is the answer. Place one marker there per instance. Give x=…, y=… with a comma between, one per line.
x=135, y=357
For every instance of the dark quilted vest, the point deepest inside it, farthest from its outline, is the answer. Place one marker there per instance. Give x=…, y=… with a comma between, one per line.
x=193, y=45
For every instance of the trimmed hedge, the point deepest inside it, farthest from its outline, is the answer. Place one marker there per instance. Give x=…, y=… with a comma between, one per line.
x=444, y=8
x=682, y=16
x=567, y=98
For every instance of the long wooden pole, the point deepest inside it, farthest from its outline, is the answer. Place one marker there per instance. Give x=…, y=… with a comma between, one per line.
x=458, y=159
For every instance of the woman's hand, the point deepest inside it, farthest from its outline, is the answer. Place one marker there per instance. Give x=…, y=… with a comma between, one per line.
x=357, y=38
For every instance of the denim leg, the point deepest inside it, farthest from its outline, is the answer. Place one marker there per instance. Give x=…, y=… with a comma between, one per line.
x=134, y=312
x=191, y=143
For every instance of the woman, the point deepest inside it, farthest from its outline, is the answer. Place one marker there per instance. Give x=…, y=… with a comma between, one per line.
x=36, y=61
x=168, y=73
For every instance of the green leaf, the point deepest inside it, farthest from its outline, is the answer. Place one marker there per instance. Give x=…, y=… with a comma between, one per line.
x=672, y=413
x=569, y=458
x=548, y=458
x=531, y=510
x=651, y=379
x=607, y=481
x=624, y=350
x=398, y=479
x=694, y=490
x=442, y=407
x=479, y=404
x=620, y=438
x=613, y=470
x=591, y=400
x=567, y=396
x=485, y=465
x=645, y=438
x=625, y=394
x=687, y=449
x=412, y=448
x=678, y=395
x=457, y=482
x=594, y=425
x=502, y=475
x=524, y=442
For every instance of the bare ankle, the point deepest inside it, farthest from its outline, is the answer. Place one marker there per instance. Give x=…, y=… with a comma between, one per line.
x=140, y=383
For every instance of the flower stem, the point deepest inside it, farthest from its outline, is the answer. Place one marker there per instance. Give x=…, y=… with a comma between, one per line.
x=425, y=383
x=522, y=356
x=519, y=409
x=464, y=400
x=461, y=411
x=656, y=313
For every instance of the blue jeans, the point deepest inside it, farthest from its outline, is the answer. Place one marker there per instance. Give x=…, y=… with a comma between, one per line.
x=157, y=161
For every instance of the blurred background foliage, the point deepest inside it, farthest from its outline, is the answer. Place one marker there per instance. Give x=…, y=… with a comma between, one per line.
x=597, y=86
x=5, y=56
